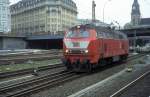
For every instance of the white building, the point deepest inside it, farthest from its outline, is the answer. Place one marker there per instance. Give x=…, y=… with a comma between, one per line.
x=33, y=16
x=4, y=16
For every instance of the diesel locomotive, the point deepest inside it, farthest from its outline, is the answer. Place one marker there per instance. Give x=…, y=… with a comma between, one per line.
x=88, y=46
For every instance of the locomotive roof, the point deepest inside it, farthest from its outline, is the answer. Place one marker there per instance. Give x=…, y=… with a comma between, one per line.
x=92, y=26
x=104, y=31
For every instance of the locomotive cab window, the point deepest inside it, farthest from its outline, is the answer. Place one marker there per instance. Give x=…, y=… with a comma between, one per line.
x=109, y=35
x=75, y=34
x=120, y=36
x=100, y=34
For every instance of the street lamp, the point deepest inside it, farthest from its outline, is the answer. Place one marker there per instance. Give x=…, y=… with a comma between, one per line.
x=104, y=8
x=118, y=24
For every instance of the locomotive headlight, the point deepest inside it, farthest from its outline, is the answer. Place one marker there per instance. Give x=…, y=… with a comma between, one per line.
x=86, y=51
x=67, y=51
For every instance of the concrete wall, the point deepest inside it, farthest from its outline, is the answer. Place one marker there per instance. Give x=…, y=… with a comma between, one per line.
x=13, y=43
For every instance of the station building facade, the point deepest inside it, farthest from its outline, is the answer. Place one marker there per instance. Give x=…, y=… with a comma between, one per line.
x=33, y=16
x=4, y=16
x=138, y=30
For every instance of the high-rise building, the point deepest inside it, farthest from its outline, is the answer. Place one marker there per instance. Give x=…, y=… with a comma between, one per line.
x=29, y=16
x=4, y=16
x=135, y=14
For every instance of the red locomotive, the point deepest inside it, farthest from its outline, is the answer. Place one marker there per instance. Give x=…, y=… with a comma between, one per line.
x=88, y=46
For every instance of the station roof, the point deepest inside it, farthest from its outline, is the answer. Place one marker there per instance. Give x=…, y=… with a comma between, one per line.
x=11, y=36
x=44, y=37
x=145, y=21
x=140, y=27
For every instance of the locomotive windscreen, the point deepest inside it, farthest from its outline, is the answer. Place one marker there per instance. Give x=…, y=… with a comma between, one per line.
x=77, y=34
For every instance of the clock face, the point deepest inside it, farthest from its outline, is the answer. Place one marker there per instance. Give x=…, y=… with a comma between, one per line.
x=133, y=8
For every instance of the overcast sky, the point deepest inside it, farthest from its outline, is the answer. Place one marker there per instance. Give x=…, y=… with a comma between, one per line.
x=115, y=10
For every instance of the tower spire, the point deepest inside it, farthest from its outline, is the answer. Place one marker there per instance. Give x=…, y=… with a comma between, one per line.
x=135, y=14
x=136, y=7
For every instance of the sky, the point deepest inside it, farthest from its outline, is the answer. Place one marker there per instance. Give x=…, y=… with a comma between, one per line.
x=114, y=10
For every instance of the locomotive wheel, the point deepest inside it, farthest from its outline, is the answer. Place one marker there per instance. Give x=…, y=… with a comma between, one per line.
x=68, y=65
x=124, y=58
x=102, y=62
x=109, y=61
x=69, y=68
x=89, y=68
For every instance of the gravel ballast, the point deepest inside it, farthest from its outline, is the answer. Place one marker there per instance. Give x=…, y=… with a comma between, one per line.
x=106, y=90
x=28, y=77
x=140, y=89
x=112, y=84
x=73, y=86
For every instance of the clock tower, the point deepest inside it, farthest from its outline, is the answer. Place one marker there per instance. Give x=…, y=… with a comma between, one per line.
x=135, y=14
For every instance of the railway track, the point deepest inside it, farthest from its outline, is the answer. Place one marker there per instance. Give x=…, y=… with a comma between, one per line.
x=25, y=88
x=24, y=58
x=30, y=86
x=29, y=71
x=130, y=58
x=131, y=84
x=29, y=53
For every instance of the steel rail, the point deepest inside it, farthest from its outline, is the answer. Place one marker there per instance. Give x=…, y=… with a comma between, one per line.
x=29, y=71
x=28, y=53
x=131, y=84
x=14, y=86
x=24, y=59
x=45, y=81
x=48, y=83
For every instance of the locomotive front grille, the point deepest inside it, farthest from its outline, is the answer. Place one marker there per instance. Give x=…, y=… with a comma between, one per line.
x=76, y=51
